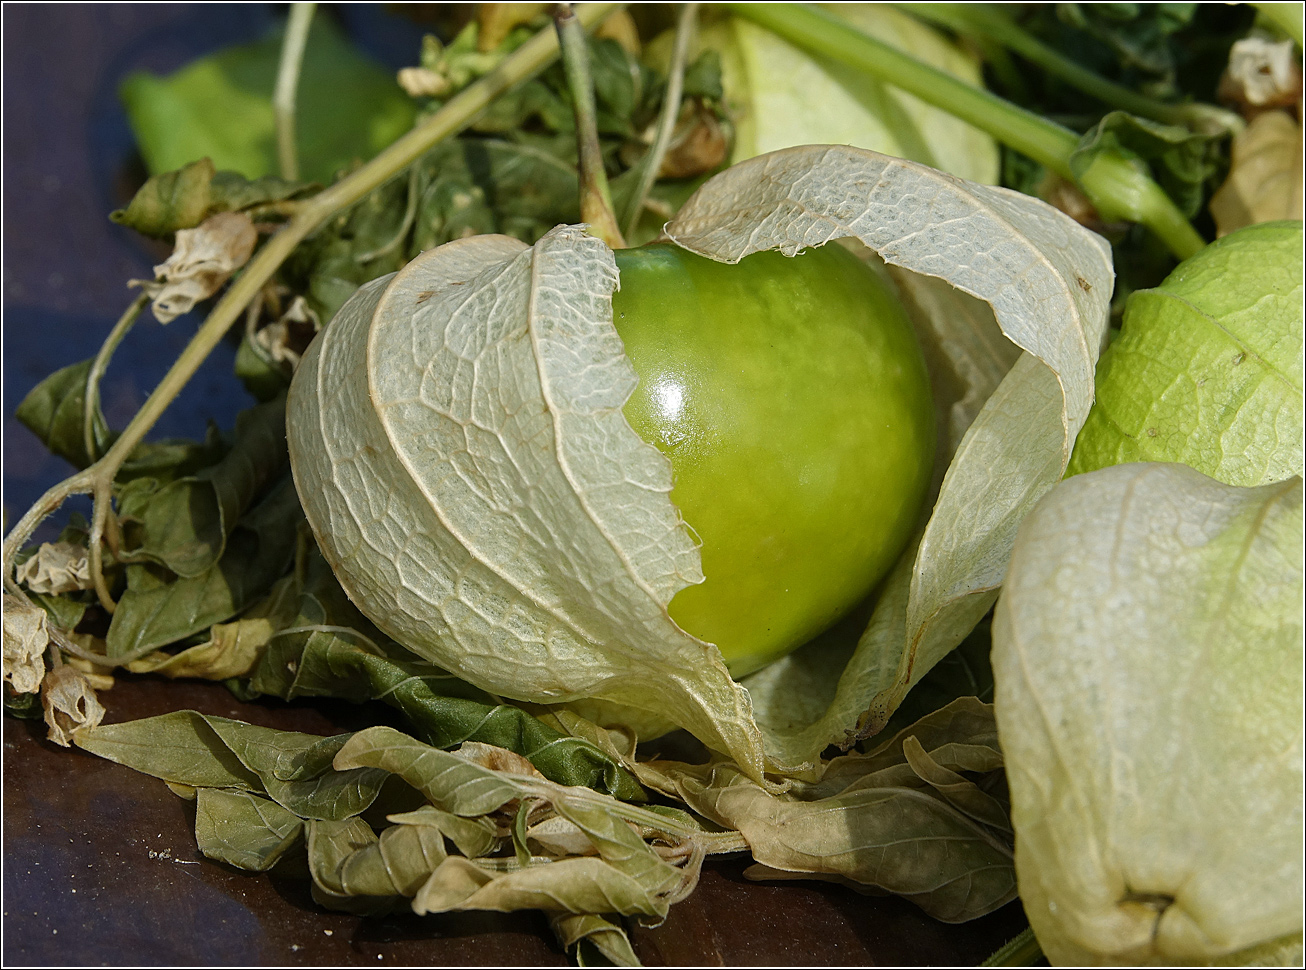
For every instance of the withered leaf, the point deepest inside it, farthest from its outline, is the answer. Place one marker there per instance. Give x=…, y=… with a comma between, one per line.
x=25, y=640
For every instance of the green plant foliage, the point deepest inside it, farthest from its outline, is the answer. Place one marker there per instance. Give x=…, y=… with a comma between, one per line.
x=220, y=107
x=54, y=409
x=184, y=198
x=1188, y=165
x=184, y=523
x=160, y=608
x=1208, y=367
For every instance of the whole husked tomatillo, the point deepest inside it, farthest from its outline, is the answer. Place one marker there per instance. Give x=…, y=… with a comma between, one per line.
x=461, y=437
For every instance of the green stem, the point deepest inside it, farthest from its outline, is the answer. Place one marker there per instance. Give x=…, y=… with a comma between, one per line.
x=667, y=121
x=1116, y=187
x=528, y=60
x=997, y=26
x=283, y=97
x=1021, y=950
x=91, y=399
x=595, y=197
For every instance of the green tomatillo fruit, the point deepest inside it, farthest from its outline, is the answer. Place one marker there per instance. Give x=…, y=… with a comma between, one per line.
x=792, y=399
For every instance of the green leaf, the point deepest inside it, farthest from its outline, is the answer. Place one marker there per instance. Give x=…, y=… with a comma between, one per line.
x=155, y=611
x=233, y=192
x=474, y=837
x=333, y=666
x=330, y=847
x=170, y=201
x=1148, y=656
x=296, y=772
x=348, y=860
x=53, y=411
x=243, y=829
x=201, y=751
x=1207, y=370
x=184, y=525
x=184, y=198
x=220, y=107
x=1186, y=164
x=66, y=610
x=23, y=705
x=166, y=461
x=231, y=650
x=1142, y=37
x=181, y=748
x=575, y=884
x=453, y=784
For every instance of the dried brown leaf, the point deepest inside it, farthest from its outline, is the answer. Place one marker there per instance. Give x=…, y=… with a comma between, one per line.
x=201, y=262
x=25, y=640
x=1265, y=182
x=57, y=567
x=70, y=704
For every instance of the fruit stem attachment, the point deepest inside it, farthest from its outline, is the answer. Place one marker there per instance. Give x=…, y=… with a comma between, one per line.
x=97, y=480
x=1116, y=185
x=667, y=120
x=283, y=98
x=595, y=197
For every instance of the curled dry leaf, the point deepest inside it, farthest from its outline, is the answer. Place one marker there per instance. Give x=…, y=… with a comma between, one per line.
x=1147, y=651
x=1265, y=181
x=201, y=262
x=460, y=451
x=57, y=567
x=70, y=704
x=618, y=871
x=1262, y=74
x=604, y=935
x=25, y=640
x=902, y=819
x=284, y=339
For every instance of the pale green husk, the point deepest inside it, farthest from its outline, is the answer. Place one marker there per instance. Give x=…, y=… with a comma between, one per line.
x=1148, y=660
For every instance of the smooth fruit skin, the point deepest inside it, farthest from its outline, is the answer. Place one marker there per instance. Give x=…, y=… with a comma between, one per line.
x=792, y=399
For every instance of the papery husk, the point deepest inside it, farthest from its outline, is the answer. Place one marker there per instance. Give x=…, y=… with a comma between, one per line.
x=460, y=450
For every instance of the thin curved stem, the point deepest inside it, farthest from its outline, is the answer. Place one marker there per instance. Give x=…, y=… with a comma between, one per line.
x=91, y=399
x=81, y=483
x=283, y=97
x=101, y=509
x=528, y=60
x=670, y=113
x=410, y=215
